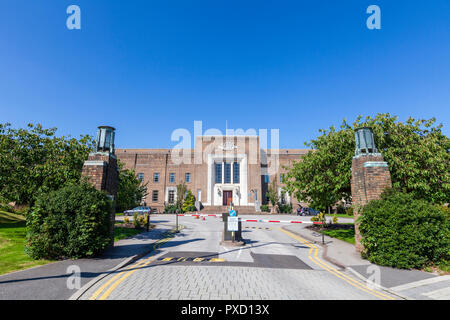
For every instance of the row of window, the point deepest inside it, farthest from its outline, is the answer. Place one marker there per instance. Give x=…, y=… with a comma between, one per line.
x=227, y=172
x=267, y=178
x=187, y=177
x=219, y=179
x=171, y=196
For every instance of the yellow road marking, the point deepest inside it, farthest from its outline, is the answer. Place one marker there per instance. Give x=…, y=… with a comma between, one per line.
x=181, y=259
x=217, y=260
x=166, y=259
x=198, y=259
x=135, y=266
x=333, y=271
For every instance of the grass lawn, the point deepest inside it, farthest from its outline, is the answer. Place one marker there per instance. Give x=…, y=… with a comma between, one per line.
x=341, y=231
x=339, y=215
x=123, y=232
x=347, y=235
x=12, y=244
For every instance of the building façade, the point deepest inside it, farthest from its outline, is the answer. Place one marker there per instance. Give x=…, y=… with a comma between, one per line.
x=219, y=170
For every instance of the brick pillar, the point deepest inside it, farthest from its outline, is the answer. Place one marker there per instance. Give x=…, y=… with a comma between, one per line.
x=370, y=176
x=102, y=172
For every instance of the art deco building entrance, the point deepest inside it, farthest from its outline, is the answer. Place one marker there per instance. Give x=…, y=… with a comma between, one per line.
x=227, y=197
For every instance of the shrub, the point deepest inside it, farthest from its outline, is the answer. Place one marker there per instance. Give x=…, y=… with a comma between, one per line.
x=126, y=220
x=142, y=221
x=285, y=208
x=71, y=222
x=335, y=219
x=402, y=232
x=171, y=208
x=349, y=211
x=189, y=202
x=136, y=221
x=264, y=208
x=6, y=208
x=340, y=209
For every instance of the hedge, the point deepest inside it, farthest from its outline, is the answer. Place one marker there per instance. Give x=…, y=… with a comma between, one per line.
x=72, y=222
x=402, y=232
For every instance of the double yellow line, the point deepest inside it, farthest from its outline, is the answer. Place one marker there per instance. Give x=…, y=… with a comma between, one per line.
x=118, y=278
x=333, y=271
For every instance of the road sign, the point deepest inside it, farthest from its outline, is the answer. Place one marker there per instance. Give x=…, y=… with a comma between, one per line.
x=232, y=213
x=233, y=224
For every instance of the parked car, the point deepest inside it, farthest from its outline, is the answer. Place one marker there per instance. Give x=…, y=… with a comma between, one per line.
x=138, y=210
x=309, y=212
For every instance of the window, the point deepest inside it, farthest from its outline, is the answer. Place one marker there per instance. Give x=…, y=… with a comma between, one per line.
x=218, y=173
x=188, y=177
x=227, y=172
x=236, y=175
x=172, y=177
x=281, y=177
x=171, y=196
x=266, y=178
x=155, y=196
x=141, y=176
x=156, y=177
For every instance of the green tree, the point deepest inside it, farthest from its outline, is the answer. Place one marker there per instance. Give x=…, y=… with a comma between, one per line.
x=34, y=160
x=189, y=202
x=130, y=191
x=181, y=192
x=272, y=194
x=417, y=153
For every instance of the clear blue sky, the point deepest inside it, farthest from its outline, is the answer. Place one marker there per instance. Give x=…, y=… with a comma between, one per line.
x=148, y=67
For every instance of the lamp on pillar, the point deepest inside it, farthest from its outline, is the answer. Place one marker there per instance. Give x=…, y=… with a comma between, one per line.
x=105, y=139
x=101, y=168
x=365, y=143
x=370, y=176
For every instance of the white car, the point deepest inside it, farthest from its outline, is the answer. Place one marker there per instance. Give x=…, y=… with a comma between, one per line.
x=138, y=210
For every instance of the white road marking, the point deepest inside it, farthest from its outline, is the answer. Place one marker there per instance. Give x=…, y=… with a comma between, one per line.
x=441, y=294
x=420, y=283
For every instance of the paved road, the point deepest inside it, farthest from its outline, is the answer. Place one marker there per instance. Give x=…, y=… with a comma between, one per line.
x=274, y=264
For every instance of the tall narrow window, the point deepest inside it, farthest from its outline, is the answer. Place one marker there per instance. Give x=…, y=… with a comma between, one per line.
x=188, y=177
x=155, y=196
x=171, y=196
x=236, y=173
x=227, y=172
x=141, y=176
x=266, y=178
x=156, y=177
x=172, y=177
x=218, y=173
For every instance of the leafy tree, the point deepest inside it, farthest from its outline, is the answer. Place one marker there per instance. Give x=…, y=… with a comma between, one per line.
x=181, y=192
x=189, y=202
x=417, y=153
x=34, y=160
x=130, y=191
x=272, y=194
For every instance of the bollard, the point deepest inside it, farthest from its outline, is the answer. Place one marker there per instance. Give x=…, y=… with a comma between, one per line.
x=148, y=221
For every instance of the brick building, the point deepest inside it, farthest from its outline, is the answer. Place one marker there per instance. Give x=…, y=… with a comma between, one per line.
x=219, y=170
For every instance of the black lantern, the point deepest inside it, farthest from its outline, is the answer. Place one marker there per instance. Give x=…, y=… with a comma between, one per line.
x=365, y=143
x=105, y=139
